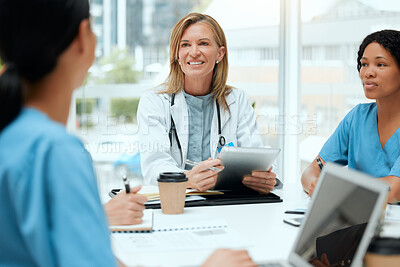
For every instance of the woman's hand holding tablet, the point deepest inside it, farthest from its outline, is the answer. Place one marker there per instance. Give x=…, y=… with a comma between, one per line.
x=261, y=181
x=247, y=168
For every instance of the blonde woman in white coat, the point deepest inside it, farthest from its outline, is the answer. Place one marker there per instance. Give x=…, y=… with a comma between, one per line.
x=194, y=112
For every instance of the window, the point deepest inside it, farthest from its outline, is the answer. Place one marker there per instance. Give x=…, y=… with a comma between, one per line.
x=331, y=85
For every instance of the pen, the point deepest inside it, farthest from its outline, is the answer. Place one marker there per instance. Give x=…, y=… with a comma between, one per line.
x=126, y=183
x=320, y=165
x=193, y=163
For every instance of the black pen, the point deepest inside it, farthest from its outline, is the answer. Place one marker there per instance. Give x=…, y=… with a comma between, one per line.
x=320, y=164
x=126, y=183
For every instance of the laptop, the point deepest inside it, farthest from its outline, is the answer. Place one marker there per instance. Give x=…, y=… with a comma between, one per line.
x=343, y=215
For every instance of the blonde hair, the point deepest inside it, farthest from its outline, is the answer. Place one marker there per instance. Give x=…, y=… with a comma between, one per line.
x=176, y=77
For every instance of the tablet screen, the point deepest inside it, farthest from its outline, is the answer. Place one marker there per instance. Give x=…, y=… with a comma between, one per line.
x=241, y=161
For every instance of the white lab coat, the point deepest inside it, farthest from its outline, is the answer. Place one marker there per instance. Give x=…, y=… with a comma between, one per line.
x=154, y=118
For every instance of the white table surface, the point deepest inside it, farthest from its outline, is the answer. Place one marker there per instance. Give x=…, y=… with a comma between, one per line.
x=261, y=224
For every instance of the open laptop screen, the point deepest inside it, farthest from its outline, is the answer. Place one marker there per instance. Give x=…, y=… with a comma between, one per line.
x=336, y=222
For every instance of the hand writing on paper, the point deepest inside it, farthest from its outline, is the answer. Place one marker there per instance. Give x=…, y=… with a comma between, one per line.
x=201, y=178
x=228, y=257
x=126, y=209
x=261, y=181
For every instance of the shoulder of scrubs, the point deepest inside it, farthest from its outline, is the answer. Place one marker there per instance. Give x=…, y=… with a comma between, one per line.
x=337, y=146
x=154, y=144
x=51, y=190
x=395, y=171
x=393, y=153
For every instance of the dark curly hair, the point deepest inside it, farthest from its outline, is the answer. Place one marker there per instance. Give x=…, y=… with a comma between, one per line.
x=388, y=39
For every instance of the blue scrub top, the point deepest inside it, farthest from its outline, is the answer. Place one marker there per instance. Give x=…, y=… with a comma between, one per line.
x=50, y=210
x=356, y=143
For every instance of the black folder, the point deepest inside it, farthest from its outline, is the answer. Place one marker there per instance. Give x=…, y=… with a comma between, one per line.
x=228, y=198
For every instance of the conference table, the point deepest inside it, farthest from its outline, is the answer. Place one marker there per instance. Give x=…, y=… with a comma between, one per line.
x=267, y=236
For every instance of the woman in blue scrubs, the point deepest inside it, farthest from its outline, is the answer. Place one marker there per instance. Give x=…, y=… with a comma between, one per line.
x=368, y=138
x=50, y=208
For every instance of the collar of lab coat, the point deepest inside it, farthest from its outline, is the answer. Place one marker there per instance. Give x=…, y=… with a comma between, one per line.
x=179, y=112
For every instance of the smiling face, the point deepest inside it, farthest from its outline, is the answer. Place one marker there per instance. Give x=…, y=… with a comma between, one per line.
x=379, y=73
x=198, y=52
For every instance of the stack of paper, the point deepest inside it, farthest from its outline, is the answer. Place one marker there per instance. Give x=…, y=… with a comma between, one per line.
x=181, y=232
x=392, y=213
x=391, y=225
x=189, y=192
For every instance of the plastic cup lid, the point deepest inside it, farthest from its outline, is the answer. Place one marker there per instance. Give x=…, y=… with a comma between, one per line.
x=172, y=177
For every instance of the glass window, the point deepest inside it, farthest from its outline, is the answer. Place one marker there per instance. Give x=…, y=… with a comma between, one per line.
x=330, y=85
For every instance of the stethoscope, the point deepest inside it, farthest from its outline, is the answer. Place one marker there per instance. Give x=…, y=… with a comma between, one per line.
x=173, y=132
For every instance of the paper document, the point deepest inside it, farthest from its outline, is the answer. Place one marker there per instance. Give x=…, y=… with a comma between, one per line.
x=146, y=225
x=187, y=199
x=392, y=213
x=391, y=225
x=193, y=192
x=181, y=232
x=189, y=192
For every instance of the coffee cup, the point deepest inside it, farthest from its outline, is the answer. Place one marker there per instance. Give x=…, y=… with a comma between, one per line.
x=383, y=251
x=172, y=186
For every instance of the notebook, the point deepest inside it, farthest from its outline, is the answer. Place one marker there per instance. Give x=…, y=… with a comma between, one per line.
x=343, y=215
x=181, y=232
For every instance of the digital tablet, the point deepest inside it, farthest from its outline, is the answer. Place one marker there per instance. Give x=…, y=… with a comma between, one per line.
x=241, y=161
